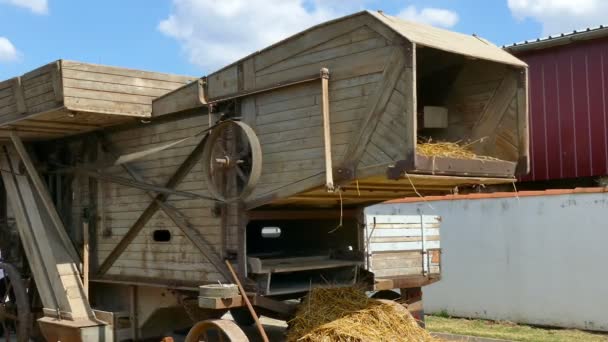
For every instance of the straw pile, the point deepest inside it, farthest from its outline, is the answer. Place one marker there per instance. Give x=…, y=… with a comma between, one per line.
x=429, y=148
x=348, y=315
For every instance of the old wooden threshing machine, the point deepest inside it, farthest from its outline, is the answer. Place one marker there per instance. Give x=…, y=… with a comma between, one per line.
x=125, y=191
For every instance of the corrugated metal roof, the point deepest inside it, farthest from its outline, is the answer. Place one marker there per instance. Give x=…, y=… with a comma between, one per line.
x=568, y=87
x=559, y=39
x=467, y=45
x=475, y=196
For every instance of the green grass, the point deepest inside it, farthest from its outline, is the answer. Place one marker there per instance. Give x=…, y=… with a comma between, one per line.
x=508, y=330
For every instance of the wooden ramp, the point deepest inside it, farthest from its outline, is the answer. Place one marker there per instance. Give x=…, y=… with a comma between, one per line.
x=52, y=258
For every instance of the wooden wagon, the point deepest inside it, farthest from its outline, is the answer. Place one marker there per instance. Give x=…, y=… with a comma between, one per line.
x=144, y=183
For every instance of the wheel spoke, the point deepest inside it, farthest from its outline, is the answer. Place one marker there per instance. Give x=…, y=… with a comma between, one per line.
x=240, y=173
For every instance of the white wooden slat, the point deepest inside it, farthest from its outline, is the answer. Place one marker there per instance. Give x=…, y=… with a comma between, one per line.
x=405, y=232
x=402, y=246
x=406, y=219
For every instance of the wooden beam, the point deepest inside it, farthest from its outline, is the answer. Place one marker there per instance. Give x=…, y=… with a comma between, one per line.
x=376, y=106
x=27, y=231
x=287, y=83
x=57, y=82
x=45, y=197
x=523, y=164
x=329, y=177
x=19, y=96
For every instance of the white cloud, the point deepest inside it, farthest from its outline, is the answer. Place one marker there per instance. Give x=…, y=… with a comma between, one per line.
x=36, y=6
x=8, y=52
x=431, y=16
x=215, y=33
x=557, y=16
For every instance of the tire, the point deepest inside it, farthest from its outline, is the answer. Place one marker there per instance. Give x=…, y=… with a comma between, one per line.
x=242, y=316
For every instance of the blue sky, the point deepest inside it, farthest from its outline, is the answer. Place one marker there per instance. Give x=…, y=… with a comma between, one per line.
x=194, y=37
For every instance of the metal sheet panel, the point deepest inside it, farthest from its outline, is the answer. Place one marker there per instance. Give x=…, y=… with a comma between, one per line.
x=568, y=116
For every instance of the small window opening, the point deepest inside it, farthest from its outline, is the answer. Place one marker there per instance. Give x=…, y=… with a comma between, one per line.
x=271, y=232
x=161, y=235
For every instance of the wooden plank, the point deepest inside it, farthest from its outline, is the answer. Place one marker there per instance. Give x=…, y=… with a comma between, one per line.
x=45, y=98
x=119, y=79
x=523, y=164
x=409, y=83
x=305, y=133
x=109, y=107
x=108, y=96
x=113, y=87
x=496, y=107
x=57, y=81
x=188, y=97
x=305, y=40
x=119, y=71
x=324, y=55
x=375, y=108
x=18, y=96
x=223, y=82
x=163, y=276
x=356, y=35
x=315, y=140
x=357, y=64
x=248, y=74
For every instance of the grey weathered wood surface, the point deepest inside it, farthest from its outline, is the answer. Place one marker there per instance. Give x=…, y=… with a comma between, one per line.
x=58, y=99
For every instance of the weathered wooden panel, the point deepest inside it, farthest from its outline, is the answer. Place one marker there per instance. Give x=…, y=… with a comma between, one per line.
x=85, y=95
x=177, y=258
x=224, y=82
x=402, y=245
x=289, y=121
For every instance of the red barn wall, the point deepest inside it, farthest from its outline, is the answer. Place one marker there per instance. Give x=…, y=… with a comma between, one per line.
x=568, y=111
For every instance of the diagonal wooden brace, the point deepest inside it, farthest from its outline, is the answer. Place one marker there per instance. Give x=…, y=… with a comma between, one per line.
x=44, y=196
x=158, y=202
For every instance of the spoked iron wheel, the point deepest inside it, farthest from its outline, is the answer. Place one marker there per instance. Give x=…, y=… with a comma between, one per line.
x=232, y=161
x=216, y=330
x=15, y=315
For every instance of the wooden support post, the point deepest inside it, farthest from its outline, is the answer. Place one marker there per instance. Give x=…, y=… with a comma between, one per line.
x=133, y=312
x=85, y=257
x=18, y=94
x=329, y=176
x=242, y=240
x=44, y=195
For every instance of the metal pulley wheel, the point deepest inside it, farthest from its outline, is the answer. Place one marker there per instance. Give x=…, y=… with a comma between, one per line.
x=232, y=161
x=219, y=330
x=15, y=314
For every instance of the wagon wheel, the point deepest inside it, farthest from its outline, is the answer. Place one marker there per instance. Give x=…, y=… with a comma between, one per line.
x=15, y=316
x=232, y=161
x=213, y=330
